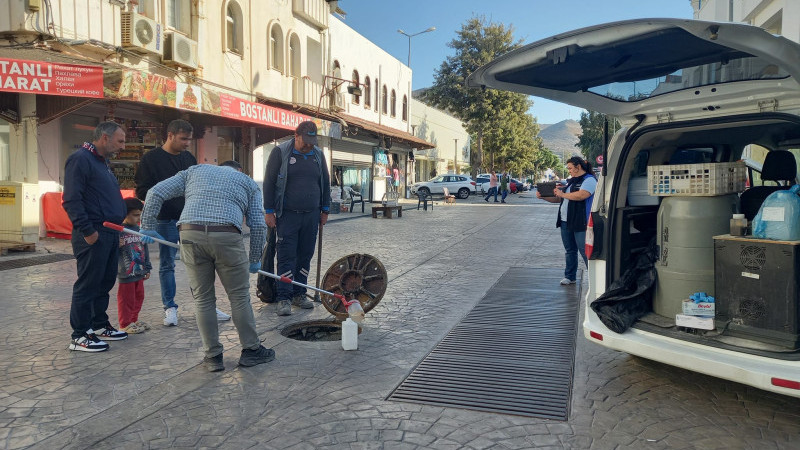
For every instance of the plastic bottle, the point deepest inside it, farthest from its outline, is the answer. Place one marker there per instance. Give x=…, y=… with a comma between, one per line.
x=349, y=335
x=738, y=225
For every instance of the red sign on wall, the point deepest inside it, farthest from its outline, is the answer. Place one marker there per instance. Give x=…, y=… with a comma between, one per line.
x=237, y=108
x=39, y=77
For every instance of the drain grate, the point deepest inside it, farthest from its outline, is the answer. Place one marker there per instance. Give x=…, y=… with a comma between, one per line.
x=34, y=261
x=512, y=353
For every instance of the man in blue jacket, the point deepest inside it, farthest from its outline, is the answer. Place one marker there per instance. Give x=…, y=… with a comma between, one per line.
x=91, y=197
x=297, y=196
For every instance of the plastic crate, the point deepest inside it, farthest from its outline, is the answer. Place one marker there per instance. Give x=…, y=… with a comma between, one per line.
x=705, y=179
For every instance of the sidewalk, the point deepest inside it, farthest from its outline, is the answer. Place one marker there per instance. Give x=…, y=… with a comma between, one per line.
x=151, y=392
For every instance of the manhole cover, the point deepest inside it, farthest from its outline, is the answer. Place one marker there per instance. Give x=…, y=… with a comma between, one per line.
x=357, y=276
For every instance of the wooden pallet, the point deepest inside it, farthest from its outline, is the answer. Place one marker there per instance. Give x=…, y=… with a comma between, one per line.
x=16, y=246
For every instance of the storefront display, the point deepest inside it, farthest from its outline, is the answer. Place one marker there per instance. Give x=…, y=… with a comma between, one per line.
x=141, y=137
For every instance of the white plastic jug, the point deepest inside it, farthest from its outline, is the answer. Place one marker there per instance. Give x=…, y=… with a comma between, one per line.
x=349, y=335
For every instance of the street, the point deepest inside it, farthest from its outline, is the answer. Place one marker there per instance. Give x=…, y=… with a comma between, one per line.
x=150, y=391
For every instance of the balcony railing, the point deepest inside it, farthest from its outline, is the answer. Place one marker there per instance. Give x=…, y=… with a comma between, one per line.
x=307, y=92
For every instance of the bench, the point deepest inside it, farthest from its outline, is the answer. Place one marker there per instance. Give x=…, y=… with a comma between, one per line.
x=387, y=211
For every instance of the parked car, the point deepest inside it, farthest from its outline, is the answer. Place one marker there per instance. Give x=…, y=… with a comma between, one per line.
x=482, y=183
x=682, y=88
x=459, y=185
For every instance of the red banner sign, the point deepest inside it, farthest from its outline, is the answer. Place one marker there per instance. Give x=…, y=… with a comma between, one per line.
x=237, y=108
x=39, y=77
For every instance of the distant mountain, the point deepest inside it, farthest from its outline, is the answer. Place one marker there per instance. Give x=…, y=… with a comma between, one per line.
x=560, y=138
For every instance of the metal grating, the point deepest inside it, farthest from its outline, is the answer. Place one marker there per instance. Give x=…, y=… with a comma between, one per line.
x=513, y=353
x=34, y=261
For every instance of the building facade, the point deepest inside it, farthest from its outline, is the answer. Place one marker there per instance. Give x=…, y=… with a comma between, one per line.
x=776, y=16
x=243, y=72
x=451, y=151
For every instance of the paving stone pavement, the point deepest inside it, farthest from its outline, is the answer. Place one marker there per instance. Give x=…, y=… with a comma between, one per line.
x=150, y=392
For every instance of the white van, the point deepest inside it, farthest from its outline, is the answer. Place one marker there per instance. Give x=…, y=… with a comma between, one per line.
x=687, y=92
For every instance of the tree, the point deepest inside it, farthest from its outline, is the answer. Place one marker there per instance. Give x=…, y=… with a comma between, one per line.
x=498, y=119
x=591, y=141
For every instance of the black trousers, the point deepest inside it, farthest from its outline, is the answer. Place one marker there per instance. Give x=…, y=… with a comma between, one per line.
x=97, y=273
x=296, y=239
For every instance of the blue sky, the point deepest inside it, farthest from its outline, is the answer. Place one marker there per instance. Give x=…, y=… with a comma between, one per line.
x=378, y=21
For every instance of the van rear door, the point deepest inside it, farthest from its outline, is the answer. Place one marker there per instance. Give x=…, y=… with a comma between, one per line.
x=680, y=69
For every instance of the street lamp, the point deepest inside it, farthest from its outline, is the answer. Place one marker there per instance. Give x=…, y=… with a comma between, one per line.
x=409, y=36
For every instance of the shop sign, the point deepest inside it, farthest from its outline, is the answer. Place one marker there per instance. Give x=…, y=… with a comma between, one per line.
x=8, y=195
x=237, y=108
x=39, y=77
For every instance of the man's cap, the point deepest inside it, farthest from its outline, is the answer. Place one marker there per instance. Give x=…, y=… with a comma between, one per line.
x=308, y=130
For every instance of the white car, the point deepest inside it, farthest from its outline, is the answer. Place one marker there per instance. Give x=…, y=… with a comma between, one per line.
x=691, y=93
x=459, y=185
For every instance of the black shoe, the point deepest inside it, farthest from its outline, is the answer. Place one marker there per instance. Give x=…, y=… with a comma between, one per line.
x=260, y=355
x=109, y=333
x=497, y=201
x=214, y=364
x=486, y=200
x=301, y=301
x=284, y=308
x=503, y=201
x=88, y=343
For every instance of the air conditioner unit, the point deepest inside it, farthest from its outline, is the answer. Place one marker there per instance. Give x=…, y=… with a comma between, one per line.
x=180, y=50
x=141, y=33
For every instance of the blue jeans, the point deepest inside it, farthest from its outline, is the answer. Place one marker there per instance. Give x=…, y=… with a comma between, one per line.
x=505, y=194
x=168, y=229
x=574, y=242
x=492, y=191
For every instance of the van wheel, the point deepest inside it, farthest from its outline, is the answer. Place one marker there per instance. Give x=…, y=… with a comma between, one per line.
x=463, y=193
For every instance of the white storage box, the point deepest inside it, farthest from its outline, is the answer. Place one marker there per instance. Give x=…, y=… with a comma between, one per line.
x=705, y=179
x=638, y=194
x=701, y=323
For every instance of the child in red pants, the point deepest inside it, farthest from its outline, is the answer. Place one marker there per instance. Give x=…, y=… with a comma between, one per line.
x=134, y=268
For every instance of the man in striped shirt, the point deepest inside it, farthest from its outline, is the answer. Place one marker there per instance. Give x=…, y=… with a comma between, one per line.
x=217, y=197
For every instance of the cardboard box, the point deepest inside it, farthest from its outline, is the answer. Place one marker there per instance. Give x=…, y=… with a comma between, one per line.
x=704, y=309
x=701, y=323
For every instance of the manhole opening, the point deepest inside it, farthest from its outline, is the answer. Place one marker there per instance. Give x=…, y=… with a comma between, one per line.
x=318, y=330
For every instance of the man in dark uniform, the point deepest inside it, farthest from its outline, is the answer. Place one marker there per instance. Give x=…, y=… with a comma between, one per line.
x=297, y=196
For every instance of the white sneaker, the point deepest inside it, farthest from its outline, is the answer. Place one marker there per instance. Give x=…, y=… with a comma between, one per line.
x=566, y=281
x=221, y=316
x=171, y=317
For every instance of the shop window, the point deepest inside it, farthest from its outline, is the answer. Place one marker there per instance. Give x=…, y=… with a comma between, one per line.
x=294, y=56
x=178, y=15
x=367, y=93
x=5, y=153
x=276, y=48
x=234, y=38
x=394, y=103
x=356, y=98
x=405, y=108
x=384, y=100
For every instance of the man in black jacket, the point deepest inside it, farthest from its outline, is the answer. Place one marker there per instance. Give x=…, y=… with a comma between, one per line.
x=91, y=197
x=156, y=165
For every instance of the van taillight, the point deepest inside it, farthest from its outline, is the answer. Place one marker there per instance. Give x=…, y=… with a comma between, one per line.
x=780, y=382
x=589, y=238
x=599, y=336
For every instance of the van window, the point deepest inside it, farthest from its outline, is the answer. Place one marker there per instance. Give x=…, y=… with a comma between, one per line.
x=692, y=156
x=640, y=164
